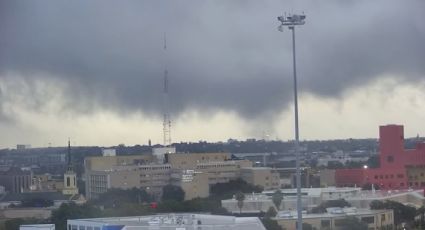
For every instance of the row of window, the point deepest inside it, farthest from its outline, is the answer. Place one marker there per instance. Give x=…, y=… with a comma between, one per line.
x=76, y=227
x=391, y=176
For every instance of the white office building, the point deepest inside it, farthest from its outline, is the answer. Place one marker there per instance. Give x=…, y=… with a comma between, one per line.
x=172, y=221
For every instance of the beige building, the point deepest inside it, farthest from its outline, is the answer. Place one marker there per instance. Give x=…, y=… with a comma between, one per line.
x=334, y=218
x=149, y=177
x=267, y=178
x=327, y=177
x=107, y=162
x=194, y=172
x=194, y=184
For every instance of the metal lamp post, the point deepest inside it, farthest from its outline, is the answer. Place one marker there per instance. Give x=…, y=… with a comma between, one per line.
x=292, y=21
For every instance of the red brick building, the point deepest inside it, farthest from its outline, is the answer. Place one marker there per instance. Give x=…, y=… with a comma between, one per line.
x=395, y=161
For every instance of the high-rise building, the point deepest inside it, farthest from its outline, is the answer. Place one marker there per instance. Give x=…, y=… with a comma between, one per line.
x=400, y=168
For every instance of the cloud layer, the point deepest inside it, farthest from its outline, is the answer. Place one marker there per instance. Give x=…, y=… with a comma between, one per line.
x=80, y=57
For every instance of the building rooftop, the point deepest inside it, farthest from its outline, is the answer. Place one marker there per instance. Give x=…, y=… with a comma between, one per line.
x=187, y=221
x=330, y=212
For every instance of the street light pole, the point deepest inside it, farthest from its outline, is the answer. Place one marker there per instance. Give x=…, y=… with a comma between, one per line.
x=291, y=22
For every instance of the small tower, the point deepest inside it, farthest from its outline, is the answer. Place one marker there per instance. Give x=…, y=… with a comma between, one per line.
x=70, y=177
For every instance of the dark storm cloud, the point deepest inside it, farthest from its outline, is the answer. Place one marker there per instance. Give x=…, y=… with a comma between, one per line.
x=221, y=54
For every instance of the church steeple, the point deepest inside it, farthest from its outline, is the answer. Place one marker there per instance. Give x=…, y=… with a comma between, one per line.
x=70, y=177
x=69, y=160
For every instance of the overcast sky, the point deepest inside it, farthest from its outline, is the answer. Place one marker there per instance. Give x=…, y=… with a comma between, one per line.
x=92, y=70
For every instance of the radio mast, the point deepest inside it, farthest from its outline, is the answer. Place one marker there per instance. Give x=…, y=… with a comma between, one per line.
x=166, y=124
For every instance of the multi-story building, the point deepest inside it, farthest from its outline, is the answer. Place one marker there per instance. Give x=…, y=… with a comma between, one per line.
x=15, y=180
x=194, y=172
x=334, y=218
x=265, y=177
x=150, y=177
x=398, y=166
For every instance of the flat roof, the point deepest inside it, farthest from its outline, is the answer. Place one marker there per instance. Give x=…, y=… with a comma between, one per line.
x=176, y=220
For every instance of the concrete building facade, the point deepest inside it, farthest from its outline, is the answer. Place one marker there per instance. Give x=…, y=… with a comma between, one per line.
x=334, y=218
x=15, y=180
x=193, y=172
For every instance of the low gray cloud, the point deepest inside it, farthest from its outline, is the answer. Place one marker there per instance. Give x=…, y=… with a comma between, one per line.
x=223, y=55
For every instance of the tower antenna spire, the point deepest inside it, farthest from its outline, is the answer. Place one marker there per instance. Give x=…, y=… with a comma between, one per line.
x=166, y=115
x=69, y=155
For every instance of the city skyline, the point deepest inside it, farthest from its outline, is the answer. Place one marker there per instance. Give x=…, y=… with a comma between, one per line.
x=93, y=71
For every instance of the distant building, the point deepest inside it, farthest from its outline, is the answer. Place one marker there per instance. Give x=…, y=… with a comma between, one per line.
x=267, y=178
x=312, y=197
x=399, y=168
x=160, y=152
x=37, y=227
x=186, y=221
x=15, y=180
x=109, y=152
x=193, y=172
x=22, y=147
x=334, y=218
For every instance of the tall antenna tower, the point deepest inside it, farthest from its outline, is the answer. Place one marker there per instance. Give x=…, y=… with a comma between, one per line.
x=166, y=124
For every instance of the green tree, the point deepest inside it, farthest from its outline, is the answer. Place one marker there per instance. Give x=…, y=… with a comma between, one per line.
x=271, y=224
x=13, y=224
x=73, y=211
x=240, y=197
x=172, y=192
x=115, y=197
x=402, y=213
x=277, y=198
x=222, y=191
x=271, y=212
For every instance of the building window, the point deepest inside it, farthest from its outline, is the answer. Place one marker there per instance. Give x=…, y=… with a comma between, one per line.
x=382, y=217
x=400, y=176
x=390, y=159
x=368, y=219
x=325, y=223
x=68, y=181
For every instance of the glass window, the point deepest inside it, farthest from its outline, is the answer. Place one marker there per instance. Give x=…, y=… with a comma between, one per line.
x=96, y=228
x=74, y=227
x=368, y=219
x=382, y=217
x=325, y=223
x=82, y=228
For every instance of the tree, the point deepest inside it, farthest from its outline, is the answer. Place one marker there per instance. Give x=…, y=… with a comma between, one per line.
x=277, y=198
x=172, y=192
x=271, y=224
x=271, y=212
x=115, y=197
x=402, y=213
x=73, y=211
x=222, y=191
x=13, y=224
x=240, y=197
